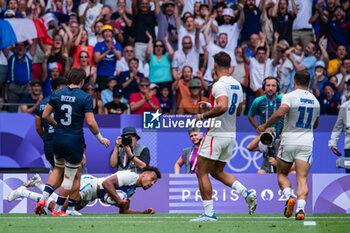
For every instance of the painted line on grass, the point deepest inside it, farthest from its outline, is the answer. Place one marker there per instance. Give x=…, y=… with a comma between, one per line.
x=163, y=217
x=309, y=223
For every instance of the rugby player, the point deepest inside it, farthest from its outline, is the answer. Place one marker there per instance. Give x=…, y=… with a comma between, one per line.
x=91, y=188
x=216, y=148
x=301, y=110
x=70, y=106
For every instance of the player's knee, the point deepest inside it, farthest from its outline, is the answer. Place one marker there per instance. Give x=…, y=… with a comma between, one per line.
x=69, y=175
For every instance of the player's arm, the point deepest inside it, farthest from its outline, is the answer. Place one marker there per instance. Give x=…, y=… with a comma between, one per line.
x=316, y=123
x=125, y=210
x=239, y=109
x=48, y=117
x=281, y=111
x=39, y=126
x=220, y=108
x=109, y=186
x=91, y=122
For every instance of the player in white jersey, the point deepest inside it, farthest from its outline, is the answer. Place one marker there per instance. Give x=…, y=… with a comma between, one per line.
x=301, y=111
x=217, y=146
x=115, y=189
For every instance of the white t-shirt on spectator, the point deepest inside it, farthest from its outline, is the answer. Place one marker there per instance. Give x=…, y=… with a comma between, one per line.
x=212, y=35
x=212, y=50
x=91, y=16
x=182, y=32
x=232, y=32
x=340, y=77
x=258, y=72
x=304, y=14
x=122, y=66
x=189, y=6
x=286, y=72
x=191, y=59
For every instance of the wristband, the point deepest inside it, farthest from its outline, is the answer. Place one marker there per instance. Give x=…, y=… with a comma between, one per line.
x=132, y=158
x=200, y=116
x=99, y=136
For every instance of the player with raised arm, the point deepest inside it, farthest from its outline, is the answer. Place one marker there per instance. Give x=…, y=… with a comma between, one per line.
x=70, y=106
x=116, y=189
x=216, y=148
x=301, y=111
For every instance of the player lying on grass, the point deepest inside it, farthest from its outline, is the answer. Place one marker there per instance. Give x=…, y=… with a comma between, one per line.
x=115, y=189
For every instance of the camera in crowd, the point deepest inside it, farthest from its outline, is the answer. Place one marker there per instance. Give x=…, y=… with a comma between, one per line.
x=126, y=140
x=267, y=138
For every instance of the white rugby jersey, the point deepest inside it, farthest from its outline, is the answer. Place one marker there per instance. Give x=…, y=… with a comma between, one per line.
x=300, y=119
x=230, y=87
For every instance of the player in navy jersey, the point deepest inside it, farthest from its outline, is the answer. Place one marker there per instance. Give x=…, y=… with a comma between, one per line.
x=70, y=106
x=44, y=130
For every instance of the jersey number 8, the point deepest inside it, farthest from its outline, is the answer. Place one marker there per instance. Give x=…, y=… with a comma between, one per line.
x=232, y=108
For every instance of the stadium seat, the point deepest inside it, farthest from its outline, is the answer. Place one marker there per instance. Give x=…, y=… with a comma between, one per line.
x=343, y=163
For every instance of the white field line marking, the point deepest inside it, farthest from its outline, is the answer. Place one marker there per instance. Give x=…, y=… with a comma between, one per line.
x=156, y=217
x=309, y=223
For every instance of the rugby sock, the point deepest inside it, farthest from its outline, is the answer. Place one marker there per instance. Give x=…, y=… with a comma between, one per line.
x=287, y=192
x=71, y=204
x=300, y=205
x=208, y=207
x=31, y=195
x=59, y=203
x=48, y=190
x=40, y=186
x=240, y=188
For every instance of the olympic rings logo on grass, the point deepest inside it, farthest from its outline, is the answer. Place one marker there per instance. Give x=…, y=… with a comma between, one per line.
x=250, y=157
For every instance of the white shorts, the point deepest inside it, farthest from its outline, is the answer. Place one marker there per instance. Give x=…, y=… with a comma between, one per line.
x=289, y=153
x=217, y=148
x=88, y=189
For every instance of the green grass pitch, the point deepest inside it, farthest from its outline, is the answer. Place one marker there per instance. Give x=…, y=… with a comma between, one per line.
x=164, y=223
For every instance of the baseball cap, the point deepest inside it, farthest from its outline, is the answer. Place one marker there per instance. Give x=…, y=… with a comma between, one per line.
x=320, y=64
x=55, y=65
x=329, y=84
x=10, y=12
x=107, y=27
x=111, y=78
x=194, y=83
x=227, y=11
x=34, y=82
x=169, y=2
x=118, y=91
x=153, y=85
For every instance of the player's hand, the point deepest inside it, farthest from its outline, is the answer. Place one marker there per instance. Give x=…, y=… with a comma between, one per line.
x=105, y=142
x=260, y=129
x=149, y=211
x=335, y=151
x=122, y=203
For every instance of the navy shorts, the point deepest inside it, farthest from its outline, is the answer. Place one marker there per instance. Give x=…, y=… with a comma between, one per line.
x=70, y=148
x=49, y=154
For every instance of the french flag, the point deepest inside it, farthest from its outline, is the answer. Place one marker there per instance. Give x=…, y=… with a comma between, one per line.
x=13, y=31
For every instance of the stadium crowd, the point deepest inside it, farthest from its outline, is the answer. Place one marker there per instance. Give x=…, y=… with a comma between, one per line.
x=147, y=55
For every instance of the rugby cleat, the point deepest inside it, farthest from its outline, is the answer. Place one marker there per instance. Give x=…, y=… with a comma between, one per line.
x=300, y=215
x=61, y=213
x=73, y=213
x=251, y=201
x=204, y=218
x=39, y=208
x=15, y=194
x=288, y=210
x=32, y=181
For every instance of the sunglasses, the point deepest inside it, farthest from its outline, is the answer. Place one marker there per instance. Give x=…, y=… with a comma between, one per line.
x=144, y=85
x=129, y=51
x=58, y=39
x=89, y=89
x=83, y=57
x=158, y=46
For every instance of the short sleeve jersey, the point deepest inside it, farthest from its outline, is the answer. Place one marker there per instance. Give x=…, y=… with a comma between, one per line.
x=126, y=182
x=48, y=129
x=70, y=106
x=300, y=119
x=227, y=86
